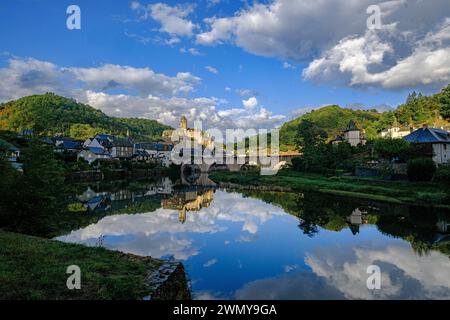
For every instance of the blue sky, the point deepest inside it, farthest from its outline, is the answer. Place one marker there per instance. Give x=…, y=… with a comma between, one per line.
x=205, y=58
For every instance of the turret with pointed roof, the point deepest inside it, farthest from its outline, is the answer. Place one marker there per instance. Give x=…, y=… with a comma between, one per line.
x=352, y=126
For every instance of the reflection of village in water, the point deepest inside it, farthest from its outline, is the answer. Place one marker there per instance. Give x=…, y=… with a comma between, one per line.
x=359, y=218
x=226, y=238
x=190, y=199
x=184, y=201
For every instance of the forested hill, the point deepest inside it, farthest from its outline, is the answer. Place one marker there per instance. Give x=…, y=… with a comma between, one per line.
x=333, y=119
x=418, y=110
x=50, y=115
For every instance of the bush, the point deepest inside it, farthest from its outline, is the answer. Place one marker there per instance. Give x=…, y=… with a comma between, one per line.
x=390, y=149
x=443, y=174
x=421, y=169
x=297, y=163
x=76, y=207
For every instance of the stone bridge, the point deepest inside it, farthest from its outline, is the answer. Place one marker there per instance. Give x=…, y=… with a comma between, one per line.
x=235, y=164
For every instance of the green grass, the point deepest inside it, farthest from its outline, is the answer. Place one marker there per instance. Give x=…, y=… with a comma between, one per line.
x=367, y=188
x=35, y=268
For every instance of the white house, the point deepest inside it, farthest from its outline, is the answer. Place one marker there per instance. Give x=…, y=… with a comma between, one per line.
x=437, y=139
x=395, y=133
x=91, y=154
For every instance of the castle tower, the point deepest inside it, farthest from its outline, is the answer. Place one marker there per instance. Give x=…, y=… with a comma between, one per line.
x=183, y=123
x=182, y=215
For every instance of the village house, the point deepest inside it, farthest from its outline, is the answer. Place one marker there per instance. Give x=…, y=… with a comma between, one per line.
x=396, y=132
x=92, y=154
x=352, y=134
x=68, y=145
x=141, y=156
x=122, y=148
x=157, y=151
x=13, y=157
x=438, y=141
x=117, y=148
x=103, y=141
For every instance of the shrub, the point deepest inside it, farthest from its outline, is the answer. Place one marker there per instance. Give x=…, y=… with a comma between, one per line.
x=421, y=169
x=76, y=207
x=297, y=164
x=443, y=174
x=390, y=149
x=434, y=198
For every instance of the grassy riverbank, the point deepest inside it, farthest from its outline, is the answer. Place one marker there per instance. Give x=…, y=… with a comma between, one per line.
x=400, y=192
x=35, y=268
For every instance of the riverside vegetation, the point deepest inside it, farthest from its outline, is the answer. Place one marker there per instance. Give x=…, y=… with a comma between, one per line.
x=35, y=206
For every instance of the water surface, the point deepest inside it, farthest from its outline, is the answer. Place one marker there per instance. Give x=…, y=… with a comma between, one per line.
x=276, y=245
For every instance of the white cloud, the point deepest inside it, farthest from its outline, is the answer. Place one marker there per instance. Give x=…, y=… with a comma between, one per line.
x=212, y=3
x=333, y=33
x=250, y=103
x=300, y=29
x=23, y=77
x=191, y=51
x=245, y=92
x=287, y=65
x=210, y=263
x=143, y=80
x=172, y=19
x=212, y=69
x=30, y=76
x=145, y=94
x=352, y=58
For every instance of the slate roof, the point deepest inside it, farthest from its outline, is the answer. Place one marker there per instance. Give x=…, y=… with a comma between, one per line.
x=122, y=143
x=142, y=153
x=428, y=135
x=99, y=151
x=105, y=137
x=47, y=140
x=351, y=126
x=158, y=146
x=26, y=132
x=57, y=139
x=339, y=138
x=70, y=145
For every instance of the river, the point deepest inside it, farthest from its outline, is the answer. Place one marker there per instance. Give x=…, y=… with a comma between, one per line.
x=263, y=245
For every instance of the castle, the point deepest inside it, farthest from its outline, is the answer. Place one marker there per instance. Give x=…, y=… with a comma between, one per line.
x=202, y=138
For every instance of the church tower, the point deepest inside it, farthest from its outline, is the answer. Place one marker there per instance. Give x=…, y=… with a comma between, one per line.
x=183, y=123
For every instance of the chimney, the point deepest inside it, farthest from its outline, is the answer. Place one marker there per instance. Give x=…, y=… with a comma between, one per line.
x=425, y=126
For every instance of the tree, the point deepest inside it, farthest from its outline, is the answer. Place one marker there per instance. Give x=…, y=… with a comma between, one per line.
x=444, y=101
x=387, y=120
x=41, y=190
x=82, y=131
x=342, y=156
x=9, y=193
x=390, y=149
x=310, y=135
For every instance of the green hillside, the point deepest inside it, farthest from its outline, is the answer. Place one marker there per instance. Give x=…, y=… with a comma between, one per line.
x=50, y=115
x=433, y=110
x=333, y=119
